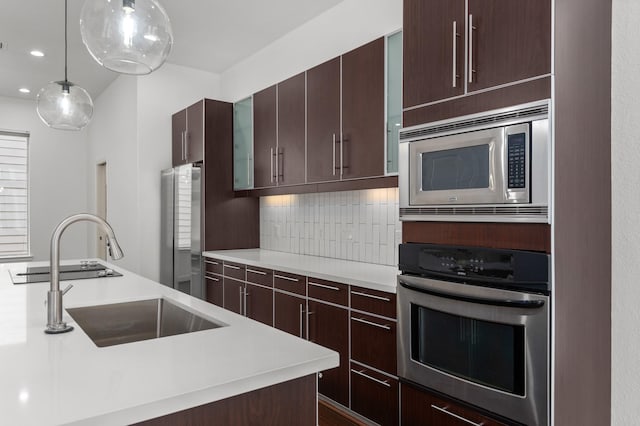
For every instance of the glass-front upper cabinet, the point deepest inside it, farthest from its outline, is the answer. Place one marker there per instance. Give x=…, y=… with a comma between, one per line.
x=243, y=144
x=394, y=99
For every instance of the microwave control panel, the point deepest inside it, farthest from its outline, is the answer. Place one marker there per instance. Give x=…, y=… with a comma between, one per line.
x=516, y=160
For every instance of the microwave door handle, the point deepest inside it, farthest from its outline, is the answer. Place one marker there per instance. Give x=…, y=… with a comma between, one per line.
x=522, y=304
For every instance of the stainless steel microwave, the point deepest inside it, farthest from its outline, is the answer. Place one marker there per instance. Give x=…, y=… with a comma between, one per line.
x=492, y=166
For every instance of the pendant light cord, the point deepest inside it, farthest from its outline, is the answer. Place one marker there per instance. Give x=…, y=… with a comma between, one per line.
x=65, y=41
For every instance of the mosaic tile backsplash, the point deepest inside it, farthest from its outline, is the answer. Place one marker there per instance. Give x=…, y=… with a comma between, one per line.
x=361, y=225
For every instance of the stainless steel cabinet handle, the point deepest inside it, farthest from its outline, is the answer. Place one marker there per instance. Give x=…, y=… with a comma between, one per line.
x=240, y=301
x=231, y=266
x=209, y=277
x=445, y=411
x=372, y=296
x=256, y=272
x=184, y=144
x=286, y=278
x=271, y=164
x=361, y=373
x=374, y=324
x=277, y=176
x=471, y=28
x=301, y=314
x=334, y=154
x=246, y=306
x=341, y=157
x=455, y=54
x=328, y=287
x=211, y=262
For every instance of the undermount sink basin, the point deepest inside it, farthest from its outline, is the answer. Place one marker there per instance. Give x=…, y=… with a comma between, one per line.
x=119, y=323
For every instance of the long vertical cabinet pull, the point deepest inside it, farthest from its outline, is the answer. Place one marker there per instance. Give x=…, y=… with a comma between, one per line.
x=455, y=54
x=183, y=144
x=301, y=321
x=471, y=28
x=334, y=154
x=341, y=155
x=246, y=307
x=241, y=299
x=271, y=164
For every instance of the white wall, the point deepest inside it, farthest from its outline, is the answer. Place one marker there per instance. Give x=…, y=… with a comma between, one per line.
x=57, y=167
x=625, y=158
x=131, y=131
x=340, y=29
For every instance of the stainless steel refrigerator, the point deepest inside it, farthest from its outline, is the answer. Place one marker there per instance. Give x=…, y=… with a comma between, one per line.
x=181, y=248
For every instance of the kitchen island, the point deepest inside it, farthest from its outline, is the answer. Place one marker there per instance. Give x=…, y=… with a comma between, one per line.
x=67, y=379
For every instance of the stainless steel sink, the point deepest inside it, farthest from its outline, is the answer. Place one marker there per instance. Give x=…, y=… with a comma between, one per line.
x=119, y=323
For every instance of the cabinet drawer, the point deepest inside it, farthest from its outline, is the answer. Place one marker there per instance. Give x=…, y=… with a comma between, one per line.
x=421, y=407
x=375, y=396
x=234, y=270
x=376, y=302
x=214, y=290
x=328, y=291
x=373, y=342
x=213, y=265
x=260, y=276
x=290, y=282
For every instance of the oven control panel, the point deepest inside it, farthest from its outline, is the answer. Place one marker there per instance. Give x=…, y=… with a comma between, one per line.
x=484, y=266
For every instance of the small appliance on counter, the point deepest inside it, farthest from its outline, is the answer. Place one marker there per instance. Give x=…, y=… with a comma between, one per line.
x=180, y=238
x=474, y=324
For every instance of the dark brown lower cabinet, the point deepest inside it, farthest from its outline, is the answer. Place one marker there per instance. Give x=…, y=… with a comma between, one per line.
x=420, y=407
x=233, y=295
x=288, y=403
x=375, y=396
x=373, y=341
x=259, y=304
x=290, y=313
x=329, y=327
x=214, y=291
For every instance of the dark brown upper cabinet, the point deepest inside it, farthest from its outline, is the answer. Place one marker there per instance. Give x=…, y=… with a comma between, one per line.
x=265, y=142
x=448, y=53
x=363, y=124
x=323, y=122
x=290, y=153
x=187, y=135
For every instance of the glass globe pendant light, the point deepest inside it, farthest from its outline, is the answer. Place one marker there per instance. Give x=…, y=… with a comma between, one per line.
x=62, y=104
x=126, y=36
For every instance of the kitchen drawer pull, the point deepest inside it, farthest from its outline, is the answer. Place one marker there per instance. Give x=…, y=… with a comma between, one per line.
x=328, y=287
x=445, y=411
x=361, y=373
x=372, y=296
x=364, y=321
x=286, y=278
x=231, y=266
x=211, y=262
x=209, y=277
x=256, y=272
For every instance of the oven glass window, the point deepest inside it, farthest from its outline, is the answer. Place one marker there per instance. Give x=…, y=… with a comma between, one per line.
x=460, y=168
x=488, y=353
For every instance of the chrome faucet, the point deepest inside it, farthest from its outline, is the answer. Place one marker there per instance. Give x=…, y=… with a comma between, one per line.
x=55, y=324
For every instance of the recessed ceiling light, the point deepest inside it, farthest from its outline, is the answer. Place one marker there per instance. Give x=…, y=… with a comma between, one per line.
x=24, y=90
x=37, y=53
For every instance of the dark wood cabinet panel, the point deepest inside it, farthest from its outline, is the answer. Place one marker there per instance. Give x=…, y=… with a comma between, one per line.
x=429, y=44
x=517, y=236
x=375, y=396
x=288, y=403
x=233, y=295
x=264, y=137
x=178, y=131
x=328, y=291
x=290, y=282
x=213, y=265
x=510, y=41
x=363, y=126
x=329, y=327
x=420, y=407
x=376, y=302
x=260, y=276
x=214, y=291
x=259, y=304
x=323, y=121
x=194, y=140
x=290, y=159
x=289, y=314
x=373, y=342
x=229, y=222
x=234, y=270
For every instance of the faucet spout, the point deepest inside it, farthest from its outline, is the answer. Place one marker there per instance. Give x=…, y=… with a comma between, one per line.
x=55, y=324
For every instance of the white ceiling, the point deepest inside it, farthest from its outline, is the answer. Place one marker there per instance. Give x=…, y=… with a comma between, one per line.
x=211, y=35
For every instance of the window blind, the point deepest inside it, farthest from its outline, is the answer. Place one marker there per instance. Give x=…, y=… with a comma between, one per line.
x=14, y=198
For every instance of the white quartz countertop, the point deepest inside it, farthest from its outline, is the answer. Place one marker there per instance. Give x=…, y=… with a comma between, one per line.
x=66, y=379
x=368, y=275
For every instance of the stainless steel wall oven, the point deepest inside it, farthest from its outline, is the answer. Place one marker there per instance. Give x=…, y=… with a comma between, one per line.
x=474, y=324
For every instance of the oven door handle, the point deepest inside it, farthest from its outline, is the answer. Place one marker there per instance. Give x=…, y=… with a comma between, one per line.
x=522, y=304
